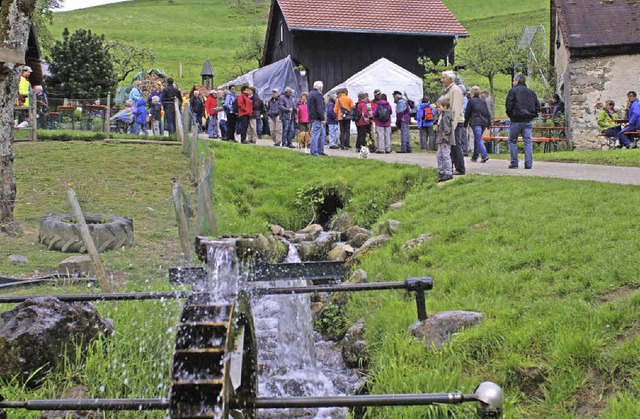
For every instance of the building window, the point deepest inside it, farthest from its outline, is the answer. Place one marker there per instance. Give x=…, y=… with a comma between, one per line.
x=281, y=32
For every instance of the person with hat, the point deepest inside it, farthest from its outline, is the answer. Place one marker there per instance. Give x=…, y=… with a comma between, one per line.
x=377, y=94
x=273, y=112
x=24, y=87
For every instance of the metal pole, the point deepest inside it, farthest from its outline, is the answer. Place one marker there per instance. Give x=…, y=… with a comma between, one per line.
x=363, y=401
x=89, y=404
x=101, y=297
x=421, y=305
x=371, y=286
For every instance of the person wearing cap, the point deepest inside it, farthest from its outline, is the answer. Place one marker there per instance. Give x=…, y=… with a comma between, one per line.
x=376, y=95
x=273, y=112
x=24, y=87
x=287, y=109
x=211, y=109
x=403, y=118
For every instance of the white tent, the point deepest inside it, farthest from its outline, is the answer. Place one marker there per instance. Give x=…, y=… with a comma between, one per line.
x=386, y=76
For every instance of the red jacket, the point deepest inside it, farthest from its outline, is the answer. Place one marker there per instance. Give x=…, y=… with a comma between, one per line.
x=210, y=106
x=245, y=107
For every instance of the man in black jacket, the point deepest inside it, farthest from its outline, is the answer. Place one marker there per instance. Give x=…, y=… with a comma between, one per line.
x=522, y=107
x=317, y=111
x=169, y=94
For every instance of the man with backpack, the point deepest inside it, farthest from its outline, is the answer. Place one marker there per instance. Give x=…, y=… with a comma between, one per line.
x=403, y=118
x=169, y=95
x=382, y=121
x=425, y=117
x=287, y=109
x=231, y=109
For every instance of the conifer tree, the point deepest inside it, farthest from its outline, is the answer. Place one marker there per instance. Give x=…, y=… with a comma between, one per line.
x=81, y=66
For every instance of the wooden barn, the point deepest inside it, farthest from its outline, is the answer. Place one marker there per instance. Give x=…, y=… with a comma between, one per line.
x=595, y=50
x=332, y=40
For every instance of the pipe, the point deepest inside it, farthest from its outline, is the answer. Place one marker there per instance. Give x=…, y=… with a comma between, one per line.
x=371, y=286
x=102, y=296
x=89, y=404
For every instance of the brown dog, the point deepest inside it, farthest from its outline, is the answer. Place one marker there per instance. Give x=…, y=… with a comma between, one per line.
x=304, y=139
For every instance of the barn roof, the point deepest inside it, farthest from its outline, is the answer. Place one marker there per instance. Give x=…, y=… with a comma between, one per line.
x=411, y=17
x=599, y=25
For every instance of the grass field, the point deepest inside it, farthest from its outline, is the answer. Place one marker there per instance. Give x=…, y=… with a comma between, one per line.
x=548, y=261
x=192, y=31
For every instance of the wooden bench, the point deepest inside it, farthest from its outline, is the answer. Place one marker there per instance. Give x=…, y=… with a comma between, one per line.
x=611, y=141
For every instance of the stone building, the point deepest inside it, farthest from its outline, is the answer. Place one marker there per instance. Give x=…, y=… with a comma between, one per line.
x=595, y=50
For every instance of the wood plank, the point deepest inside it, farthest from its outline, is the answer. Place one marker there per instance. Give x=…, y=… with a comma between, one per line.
x=11, y=56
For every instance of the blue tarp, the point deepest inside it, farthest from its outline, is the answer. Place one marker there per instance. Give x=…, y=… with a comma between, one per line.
x=277, y=75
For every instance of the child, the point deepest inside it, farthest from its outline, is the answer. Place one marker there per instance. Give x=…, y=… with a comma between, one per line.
x=155, y=109
x=139, y=125
x=445, y=137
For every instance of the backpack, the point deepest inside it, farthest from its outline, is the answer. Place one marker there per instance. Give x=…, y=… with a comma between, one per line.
x=428, y=114
x=355, y=113
x=234, y=105
x=383, y=113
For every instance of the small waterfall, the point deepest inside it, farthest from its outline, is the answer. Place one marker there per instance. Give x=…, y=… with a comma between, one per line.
x=223, y=273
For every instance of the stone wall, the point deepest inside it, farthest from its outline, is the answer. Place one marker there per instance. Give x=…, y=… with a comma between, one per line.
x=593, y=80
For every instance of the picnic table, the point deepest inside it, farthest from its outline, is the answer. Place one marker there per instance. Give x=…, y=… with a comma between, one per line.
x=552, y=138
x=62, y=109
x=89, y=111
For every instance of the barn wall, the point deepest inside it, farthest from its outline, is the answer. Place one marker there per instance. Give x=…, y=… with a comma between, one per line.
x=594, y=80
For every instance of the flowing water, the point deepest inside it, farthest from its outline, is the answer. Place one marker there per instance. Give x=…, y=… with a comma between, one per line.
x=293, y=359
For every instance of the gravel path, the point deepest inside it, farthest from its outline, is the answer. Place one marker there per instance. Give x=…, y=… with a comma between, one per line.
x=574, y=171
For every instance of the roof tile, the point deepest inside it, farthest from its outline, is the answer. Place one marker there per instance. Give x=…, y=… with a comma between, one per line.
x=429, y=17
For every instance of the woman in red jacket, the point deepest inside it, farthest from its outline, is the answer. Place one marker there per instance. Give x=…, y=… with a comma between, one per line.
x=245, y=110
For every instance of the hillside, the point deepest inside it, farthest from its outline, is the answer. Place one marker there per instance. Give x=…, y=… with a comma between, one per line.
x=192, y=31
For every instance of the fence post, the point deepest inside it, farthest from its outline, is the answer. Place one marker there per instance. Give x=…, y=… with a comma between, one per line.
x=88, y=242
x=206, y=219
x=33, y=113
x=177, y=122
x=183, y=229
x=108, y=116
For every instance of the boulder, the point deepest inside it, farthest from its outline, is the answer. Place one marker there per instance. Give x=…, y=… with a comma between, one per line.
x=396, y=205
x=270, y=249
x=358, y=240
x=358, y=277
x=342, y=222
x=34, y=335
x=354, y=347
x=389, y=227
x=277, y=230
x=312, y=229
x=438, y=328
x=337, y=254
x=317, y=249
x=19, y=259
x=354, y=231
x=410, y=244
x=76, y=265
x=373, y=242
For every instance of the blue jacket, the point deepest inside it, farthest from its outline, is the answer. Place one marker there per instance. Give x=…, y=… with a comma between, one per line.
x=228, y=102
x=332, y=118
x=134, y=95
x=420, y=115
x=634, y=113
x=141, y=112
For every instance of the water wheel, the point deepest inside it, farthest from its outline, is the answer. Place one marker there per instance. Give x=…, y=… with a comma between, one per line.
x=214, y=372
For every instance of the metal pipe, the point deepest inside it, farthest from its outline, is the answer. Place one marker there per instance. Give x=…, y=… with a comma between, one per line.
x=362, y=401
x=371, y=286
x=89, y=404
x=258, y=403
x=102, y=296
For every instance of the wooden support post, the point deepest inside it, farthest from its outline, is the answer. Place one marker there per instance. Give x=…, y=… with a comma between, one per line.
x=183, y=229
x=178, y=122
x=33, y=116
x=103, y=280
x=108, y=117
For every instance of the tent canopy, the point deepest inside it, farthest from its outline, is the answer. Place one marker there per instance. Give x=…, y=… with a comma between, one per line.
x=277, y=75
x=386, y=76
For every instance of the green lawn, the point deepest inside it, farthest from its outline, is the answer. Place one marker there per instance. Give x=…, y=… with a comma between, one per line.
x=548, y=261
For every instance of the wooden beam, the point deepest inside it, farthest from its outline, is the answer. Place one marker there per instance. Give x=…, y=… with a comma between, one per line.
x=11, y=56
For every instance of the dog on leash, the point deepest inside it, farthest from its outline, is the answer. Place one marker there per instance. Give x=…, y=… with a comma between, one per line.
x=304, y=139
x=364, y=152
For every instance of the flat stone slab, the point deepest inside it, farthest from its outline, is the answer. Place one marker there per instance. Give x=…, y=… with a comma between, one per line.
x=438, y=328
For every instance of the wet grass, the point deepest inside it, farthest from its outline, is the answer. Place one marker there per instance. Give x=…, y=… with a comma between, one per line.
x=549, y=262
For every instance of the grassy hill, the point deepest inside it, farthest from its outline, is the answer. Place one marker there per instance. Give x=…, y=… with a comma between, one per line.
x=192, y=31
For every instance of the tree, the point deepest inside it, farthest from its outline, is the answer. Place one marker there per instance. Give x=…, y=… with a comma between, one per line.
x=128, y=58
x=81, y=66
x=492, y=55
x=15, y=16
x=42, y=18
x=251, y=46
x=432, y=75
